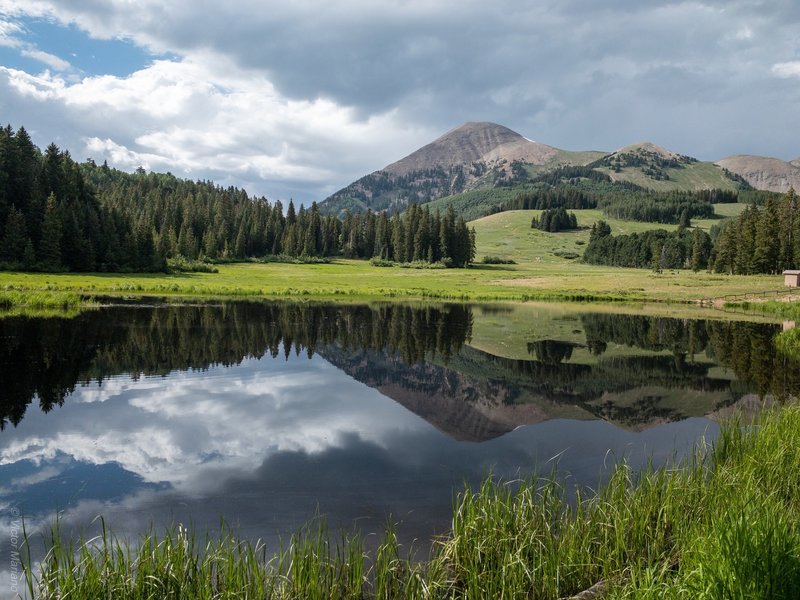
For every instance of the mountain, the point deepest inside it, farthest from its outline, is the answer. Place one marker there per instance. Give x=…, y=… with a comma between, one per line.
x=471, y=143
x=763, y=172
x=474, y=155
x=477, y=166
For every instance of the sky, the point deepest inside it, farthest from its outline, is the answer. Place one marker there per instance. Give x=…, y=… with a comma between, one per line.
x=296, y=99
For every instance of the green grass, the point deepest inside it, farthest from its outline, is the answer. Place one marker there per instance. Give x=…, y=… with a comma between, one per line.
x=725, y=524
x=694, y=176
x=788, y=343
x=539, y=273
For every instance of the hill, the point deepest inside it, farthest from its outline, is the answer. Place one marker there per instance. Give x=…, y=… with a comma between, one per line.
x=653, y=167
x=764, y=173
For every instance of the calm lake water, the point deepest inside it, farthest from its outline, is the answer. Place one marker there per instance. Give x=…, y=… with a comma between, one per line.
x=265, y=415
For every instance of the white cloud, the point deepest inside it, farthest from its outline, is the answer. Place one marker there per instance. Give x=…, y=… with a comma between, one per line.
x=51, y=60
x=205, y=115
x=787, y=69
x=8, y=33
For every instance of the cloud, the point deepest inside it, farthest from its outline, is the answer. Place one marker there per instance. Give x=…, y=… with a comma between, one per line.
x=11, y=33
x=303, y=97
x=8, y=33
x=175, y=429
x=204, y=116
x=787, y=69
x=51, y=60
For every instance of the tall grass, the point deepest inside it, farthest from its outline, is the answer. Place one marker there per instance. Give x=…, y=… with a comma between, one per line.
x=10, y=299
x=788, y=342
x=724, y=524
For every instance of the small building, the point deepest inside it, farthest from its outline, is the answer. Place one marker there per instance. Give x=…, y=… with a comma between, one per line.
x=791, y=278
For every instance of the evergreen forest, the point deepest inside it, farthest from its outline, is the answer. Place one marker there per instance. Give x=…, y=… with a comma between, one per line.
x=59, y=215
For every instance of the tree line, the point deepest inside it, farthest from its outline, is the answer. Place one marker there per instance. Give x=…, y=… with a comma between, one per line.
x=657, y=249
x=656, y=207
x=58, y=215
x=762, y=239
x=414, y=235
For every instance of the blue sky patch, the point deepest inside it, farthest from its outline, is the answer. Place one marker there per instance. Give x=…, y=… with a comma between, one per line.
x=86, y=55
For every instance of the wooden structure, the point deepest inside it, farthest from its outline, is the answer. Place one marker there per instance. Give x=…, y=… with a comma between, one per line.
x=791, y=278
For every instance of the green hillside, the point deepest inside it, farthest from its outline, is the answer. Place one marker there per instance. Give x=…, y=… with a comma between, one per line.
x=509, y=234
x=694, y=176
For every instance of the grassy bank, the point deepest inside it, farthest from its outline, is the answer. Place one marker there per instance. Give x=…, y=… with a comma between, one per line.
x=358, y=280
x=541, y=271
x=724, y=525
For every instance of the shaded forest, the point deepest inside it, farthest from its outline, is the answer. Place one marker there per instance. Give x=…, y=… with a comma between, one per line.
x=58, y=215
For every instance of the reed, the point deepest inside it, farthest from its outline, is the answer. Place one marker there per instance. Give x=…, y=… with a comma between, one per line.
x=723, y=524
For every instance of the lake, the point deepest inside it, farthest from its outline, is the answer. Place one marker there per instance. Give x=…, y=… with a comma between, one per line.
x=266, y=415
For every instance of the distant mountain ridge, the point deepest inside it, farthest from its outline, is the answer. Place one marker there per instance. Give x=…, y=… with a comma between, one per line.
x=763, y=172
x=484, y=156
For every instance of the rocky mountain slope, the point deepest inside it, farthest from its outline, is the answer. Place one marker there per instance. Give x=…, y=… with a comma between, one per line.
x=481, y=157
x=464, y=158
x=764, y=173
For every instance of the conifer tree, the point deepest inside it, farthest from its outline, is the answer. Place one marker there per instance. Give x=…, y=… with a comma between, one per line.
x=13, y=244
x=50, y=244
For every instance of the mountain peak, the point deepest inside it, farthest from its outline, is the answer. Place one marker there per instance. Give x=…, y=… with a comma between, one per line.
x=472, y=142
x=649, y=147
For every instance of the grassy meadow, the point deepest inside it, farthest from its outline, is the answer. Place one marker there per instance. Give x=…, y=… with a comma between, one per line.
x=725, y=524
x=543, y=270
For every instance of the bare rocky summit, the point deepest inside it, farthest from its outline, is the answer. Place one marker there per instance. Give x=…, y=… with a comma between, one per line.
x=763, y=172
x=649, y=148
x=472, y=143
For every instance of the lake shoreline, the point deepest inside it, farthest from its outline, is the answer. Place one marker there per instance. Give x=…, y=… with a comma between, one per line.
x=352, y=280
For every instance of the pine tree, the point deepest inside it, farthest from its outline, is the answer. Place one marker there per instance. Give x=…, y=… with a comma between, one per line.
x=745, y=241
x=766, y=252
x=12, y=249
x=50, y=245
x=699, y=257
x=788, y=219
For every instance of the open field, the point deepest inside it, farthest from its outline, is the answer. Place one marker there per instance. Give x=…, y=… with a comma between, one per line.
x=538, y=274
x=549, y=277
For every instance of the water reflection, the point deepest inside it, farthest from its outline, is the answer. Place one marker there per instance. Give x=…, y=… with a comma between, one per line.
x=267, y=413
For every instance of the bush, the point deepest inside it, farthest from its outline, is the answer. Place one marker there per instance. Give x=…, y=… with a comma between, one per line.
x=421, y=264
x=380, y=262
x=295, y=260
x=181, y=264
x=496, y=260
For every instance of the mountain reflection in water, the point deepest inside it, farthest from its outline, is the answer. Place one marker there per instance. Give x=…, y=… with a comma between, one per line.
x=266, y=414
